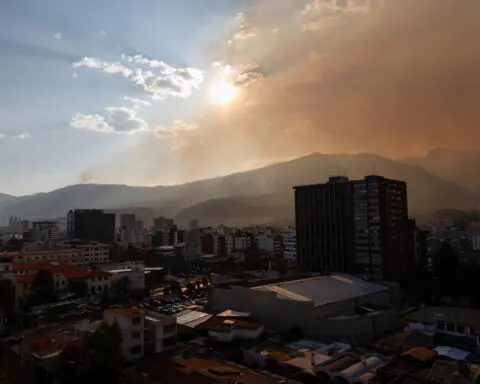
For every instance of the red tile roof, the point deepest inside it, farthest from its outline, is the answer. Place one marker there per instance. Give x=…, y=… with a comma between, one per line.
x=69, y=271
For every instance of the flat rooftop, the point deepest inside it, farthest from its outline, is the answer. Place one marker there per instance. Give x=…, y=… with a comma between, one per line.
x=433, y=315
x=323, y=290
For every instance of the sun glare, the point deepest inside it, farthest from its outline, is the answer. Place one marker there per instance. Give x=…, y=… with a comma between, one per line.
x=223, y=93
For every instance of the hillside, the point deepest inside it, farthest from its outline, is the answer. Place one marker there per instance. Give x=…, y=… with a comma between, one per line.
x=458, y=166
x=259, y=194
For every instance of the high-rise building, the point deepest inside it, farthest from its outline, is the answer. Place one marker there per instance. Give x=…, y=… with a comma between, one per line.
x=324, y=226
x=91, y=224
x=127, y=227
x=162, y=223
x=359, y=226
x=383, y=243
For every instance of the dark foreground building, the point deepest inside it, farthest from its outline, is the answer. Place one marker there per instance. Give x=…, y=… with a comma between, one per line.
x=91, y=225
x=359, y=226
x=324, y=225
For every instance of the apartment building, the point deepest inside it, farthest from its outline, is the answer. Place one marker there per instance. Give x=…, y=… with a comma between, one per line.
x=74, y=252
x=290, y=245
x=144, y=332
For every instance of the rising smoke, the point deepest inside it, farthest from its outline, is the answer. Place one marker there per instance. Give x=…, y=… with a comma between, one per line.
x=397, y=79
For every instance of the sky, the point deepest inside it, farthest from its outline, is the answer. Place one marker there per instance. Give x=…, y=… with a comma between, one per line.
x=157, y=92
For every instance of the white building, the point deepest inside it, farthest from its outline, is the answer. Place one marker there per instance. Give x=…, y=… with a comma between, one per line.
x=265, y=242
x=474, y=234
x=237, y=243
x=134, y=271
x=144, y=332
x=290, y=245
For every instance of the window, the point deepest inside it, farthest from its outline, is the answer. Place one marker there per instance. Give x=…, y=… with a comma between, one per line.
x=136, y=335
x=136, y=320
x=137, y=350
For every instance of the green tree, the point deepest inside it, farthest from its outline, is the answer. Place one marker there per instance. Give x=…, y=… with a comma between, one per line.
x=43, y=287
x=105, y=352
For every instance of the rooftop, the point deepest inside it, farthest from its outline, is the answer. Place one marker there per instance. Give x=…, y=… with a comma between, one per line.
x=221, y=371
x=191, y=319
x=67, y=270
x=323, y=290
x=219, y=324
x=432, y=315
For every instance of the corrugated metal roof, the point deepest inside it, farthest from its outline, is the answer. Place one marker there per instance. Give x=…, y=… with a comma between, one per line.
x=324, y=289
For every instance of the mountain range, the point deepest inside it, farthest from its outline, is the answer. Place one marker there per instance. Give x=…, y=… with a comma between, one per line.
x=443, y=179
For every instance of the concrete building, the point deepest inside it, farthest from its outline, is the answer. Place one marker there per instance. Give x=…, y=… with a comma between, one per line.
x=463, y=323
x=333, y=308
x=91, y=225
x=74, y=252
x=264, y=242
x=45, y=230
x=474, y=235
x=384, y=245
x=144, y=332
x=290, y=245
x=134, y=271
x=324, y=225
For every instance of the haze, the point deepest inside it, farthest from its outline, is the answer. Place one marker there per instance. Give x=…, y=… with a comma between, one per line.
x=122, y=93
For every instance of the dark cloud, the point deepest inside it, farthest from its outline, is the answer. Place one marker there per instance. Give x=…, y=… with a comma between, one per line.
x=396, y=79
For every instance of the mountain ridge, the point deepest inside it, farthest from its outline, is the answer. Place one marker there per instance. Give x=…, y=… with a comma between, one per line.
x=224, y=197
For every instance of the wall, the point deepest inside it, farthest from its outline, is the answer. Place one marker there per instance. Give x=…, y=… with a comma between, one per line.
x=282, y=314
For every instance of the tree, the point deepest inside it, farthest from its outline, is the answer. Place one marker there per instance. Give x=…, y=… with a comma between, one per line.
x=73, y=363
x=79, y=288
x=43, y=287
x=105, y=352
x=7, y=297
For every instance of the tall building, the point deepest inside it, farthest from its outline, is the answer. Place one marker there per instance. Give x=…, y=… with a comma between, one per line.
x=127, y=227
x=359, y=226
x=162, y=224
x=45, y=230
x=383, y=242
x=91, y=224
x=290, y=246
x=127, y=220
x=324, y=226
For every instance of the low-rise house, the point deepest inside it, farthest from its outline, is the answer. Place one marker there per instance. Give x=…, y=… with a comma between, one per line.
x=144, y=332
x=96, y=282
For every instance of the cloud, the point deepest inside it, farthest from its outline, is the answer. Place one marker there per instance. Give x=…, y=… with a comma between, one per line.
x=58, y=36
x=118, y=120
x=137, y=103
x=16, y=136
x=395, y=78
x=22, y=136
x=159, y=80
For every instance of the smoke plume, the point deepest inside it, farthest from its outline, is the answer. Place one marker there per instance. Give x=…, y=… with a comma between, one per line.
x=394, y=77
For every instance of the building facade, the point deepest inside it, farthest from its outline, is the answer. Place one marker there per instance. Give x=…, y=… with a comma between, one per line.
x=290, y=246
x=91, y=224
x=144, y=332
x=384, y=245
x=324, y=226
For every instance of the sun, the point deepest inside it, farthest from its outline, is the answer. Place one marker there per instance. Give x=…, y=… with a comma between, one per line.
x=223, y=93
